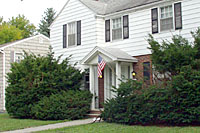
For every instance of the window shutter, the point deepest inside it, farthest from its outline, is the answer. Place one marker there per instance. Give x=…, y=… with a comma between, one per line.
x=78, y=32
x=154, y=17
x=178, y=16
x=107, y=30
x=125, y=27
x=12, y=56
x=64, y=36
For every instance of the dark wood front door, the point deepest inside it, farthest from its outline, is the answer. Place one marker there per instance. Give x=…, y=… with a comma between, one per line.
x=101, y=90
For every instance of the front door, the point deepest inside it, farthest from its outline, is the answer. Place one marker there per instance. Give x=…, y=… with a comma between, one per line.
x=101, y=90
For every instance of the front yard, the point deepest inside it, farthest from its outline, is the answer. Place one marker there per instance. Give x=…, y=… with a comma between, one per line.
x=7, y=123
x=116, y=128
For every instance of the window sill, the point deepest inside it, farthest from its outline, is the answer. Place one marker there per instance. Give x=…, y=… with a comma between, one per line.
x=168, y=31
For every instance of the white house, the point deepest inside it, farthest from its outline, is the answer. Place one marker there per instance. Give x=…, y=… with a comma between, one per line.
x=13, y=52
x=117, y=30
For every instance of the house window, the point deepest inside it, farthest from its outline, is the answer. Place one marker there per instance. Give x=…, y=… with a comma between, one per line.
x=72, y=34
x=18, y=57
x=116, y=28
x=146, y=71
x=166, y=18
x=170, y=17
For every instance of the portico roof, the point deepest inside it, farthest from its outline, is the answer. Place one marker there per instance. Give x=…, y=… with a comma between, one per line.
x=114, y=54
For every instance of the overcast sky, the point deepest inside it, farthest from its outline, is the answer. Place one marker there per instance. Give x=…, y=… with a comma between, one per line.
x=32, y=9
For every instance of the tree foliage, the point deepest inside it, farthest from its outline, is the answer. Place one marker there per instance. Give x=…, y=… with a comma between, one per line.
x=9, y=33
x=47, y=19
x=36, y=77
x=176, y=103
x=168, y=57
x=22, y=23
x=16, y=28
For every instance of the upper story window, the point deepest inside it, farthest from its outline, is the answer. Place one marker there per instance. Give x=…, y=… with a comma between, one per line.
x=166, y=18
x=72, y=34
x=117, y=28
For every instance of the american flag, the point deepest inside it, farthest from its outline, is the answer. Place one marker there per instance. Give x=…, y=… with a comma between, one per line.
x=101, y=66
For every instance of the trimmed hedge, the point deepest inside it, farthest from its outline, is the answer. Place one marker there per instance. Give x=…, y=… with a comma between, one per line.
x=66, y=105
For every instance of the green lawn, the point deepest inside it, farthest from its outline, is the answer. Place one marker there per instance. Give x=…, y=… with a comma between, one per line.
x=7, y=123
x=116, y=128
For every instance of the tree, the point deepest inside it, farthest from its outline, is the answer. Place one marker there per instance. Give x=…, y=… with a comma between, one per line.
x=9, y=33
x=48, y=18
x=169, y=57
x=24, y=25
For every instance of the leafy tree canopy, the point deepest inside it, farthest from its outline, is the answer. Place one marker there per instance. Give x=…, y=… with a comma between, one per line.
x=23, y=24
x=9, y=33
x=47, y=19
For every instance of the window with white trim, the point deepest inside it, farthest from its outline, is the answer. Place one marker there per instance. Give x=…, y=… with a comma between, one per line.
x=19, y=57
x=72, y=34
x=166, y=18
x=116, y=28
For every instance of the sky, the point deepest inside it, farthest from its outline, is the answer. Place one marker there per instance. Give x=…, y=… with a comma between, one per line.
x=31, y=9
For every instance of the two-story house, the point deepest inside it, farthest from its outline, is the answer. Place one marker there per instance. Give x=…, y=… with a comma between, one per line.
x=117, y=30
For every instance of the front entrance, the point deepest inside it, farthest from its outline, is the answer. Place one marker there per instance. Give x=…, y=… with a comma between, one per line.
x=118, y=65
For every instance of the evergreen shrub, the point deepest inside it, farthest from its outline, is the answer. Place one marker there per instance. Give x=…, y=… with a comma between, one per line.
x=65, y=105
x=37, y=77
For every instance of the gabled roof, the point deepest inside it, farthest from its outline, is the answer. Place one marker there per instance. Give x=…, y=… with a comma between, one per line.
x=2, y=46
x=103, y=7
x=114, y=54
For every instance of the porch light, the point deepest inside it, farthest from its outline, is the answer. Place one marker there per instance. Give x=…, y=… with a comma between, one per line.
x=134, y=73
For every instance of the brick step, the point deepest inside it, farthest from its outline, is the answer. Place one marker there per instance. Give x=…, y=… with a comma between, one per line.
x=93, y=115
x=95, y=112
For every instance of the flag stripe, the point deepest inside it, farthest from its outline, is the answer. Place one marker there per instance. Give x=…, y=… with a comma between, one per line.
x=101, y=66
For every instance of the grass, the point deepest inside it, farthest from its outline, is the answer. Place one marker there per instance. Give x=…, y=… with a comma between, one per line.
x=116, y=128
x=7, y=123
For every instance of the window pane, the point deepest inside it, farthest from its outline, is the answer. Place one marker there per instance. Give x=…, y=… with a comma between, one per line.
x=146, y=70
x=71, y=40
x=166, y=22
x=117, y=29
x=116, y=34
x=71, y=34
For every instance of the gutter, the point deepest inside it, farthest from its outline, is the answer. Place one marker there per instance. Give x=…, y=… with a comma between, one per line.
x=4, y=78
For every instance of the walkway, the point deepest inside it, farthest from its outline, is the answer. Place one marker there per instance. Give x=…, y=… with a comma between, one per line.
x=52, y=126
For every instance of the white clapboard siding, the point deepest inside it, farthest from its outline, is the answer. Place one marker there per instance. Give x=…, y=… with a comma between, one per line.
x=93, y=29
x=140, y=27
x=74, y=11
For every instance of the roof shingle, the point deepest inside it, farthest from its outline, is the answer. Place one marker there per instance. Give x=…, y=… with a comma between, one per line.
x=104, y=7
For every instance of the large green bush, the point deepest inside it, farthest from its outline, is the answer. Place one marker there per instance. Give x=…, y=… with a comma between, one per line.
x=175, y=103
x=65, y=105
x=37, y=77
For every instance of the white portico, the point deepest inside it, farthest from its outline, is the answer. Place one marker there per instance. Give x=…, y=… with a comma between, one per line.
x=119, y=66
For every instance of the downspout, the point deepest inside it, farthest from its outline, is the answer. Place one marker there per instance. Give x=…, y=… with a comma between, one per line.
x=4, y=78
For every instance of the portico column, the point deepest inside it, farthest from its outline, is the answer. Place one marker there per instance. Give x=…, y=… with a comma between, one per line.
x=92, y=86
x=118, y=74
